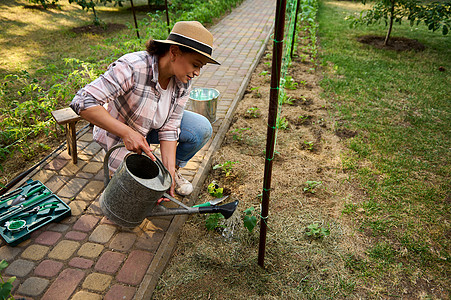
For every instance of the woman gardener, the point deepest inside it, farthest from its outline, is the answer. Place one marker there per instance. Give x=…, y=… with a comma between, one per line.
x=140, y=100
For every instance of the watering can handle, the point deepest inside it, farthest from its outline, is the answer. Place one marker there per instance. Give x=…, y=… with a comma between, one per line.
x=106, y=170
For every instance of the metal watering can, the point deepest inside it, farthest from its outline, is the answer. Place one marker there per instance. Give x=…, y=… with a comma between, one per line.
x=137, y=185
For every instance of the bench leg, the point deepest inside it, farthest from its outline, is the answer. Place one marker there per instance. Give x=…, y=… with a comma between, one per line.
x=71, y=138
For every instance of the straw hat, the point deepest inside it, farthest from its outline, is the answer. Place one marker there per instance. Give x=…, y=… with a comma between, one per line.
x=193, y=35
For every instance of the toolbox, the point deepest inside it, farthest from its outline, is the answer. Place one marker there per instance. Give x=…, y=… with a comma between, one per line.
x=27, y=209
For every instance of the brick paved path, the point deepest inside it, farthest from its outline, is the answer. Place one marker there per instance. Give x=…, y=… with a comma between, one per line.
x=86, y=256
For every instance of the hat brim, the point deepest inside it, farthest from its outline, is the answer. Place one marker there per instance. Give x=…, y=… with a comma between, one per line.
x=210, y=59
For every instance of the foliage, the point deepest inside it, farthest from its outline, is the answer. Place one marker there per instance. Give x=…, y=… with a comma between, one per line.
x=282, y=123
x=315, y=231
x=435, y=15
x=238, y=133
x=225, y=167
x=30, y=116
x=5, y=286
x=311, y=185
x=44, y=3
x=214, y=189
x=249, y=220
x=212, y=221
x=253, y=112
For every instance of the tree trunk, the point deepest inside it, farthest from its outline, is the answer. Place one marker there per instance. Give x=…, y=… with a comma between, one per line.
x=392, y=12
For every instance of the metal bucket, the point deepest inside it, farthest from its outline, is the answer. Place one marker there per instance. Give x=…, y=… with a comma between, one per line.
x=204, y=101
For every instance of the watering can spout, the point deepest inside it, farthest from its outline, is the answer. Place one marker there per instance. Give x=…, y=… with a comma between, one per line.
x=226, y=210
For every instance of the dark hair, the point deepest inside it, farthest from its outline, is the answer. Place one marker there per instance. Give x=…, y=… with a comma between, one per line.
x=160, y=49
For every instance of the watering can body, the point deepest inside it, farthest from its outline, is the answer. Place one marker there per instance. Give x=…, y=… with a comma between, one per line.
x=133, y=192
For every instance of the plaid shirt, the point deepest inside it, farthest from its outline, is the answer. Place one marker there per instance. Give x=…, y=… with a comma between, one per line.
x=128, y=92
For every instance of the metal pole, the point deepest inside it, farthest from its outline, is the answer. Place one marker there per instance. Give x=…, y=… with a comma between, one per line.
x=272, y=119
x=294, y=29
x=134, y=17
x=167, y=15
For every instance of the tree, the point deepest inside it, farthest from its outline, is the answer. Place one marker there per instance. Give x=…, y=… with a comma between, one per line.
x=90, y=4
x=435, y=15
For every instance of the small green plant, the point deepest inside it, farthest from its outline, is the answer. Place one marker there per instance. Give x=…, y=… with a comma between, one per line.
x=264, y=73
x=257, y=93
x=215, y=190
x=253, y=112
x=287, y=100
x=315, y=231
x=212, y=221
x=312, y=185
x=238, y=133
x=290, y=84
x=282, y=123
x=308, y=145
x=249, y=220
x=5, y=286
x=225, y=167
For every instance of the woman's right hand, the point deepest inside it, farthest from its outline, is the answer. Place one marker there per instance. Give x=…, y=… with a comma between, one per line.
x=135, y=142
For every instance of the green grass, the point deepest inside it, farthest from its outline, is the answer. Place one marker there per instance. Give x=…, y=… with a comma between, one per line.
x=399, y=103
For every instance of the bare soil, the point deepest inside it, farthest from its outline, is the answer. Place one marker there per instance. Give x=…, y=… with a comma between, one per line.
x=394, y=43
x=99, y=29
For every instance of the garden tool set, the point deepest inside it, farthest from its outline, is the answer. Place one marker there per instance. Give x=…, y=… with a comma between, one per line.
x=133, y=192
x=27, y=209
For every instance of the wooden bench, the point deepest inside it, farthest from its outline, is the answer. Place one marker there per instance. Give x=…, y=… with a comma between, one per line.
x=66, y=116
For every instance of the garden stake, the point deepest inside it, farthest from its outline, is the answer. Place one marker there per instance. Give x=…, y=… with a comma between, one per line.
x=272, y=119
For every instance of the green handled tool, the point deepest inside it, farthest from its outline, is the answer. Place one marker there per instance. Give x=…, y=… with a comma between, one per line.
x=212, y=202
x=24, y=205
x=22, y=198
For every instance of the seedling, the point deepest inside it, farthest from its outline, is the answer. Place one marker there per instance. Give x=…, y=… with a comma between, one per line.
x=287, y=100
x=309, y=145
x=214, y=189
x=238, y=133
x=249, y=220
x=257, y=93
x=282, y=123
x=290, y=84
x=225, y=167
x=253, y=112
x=315, y=231
x=212, y=221
x=263, y=73
x=5, y=286
x=311, y=185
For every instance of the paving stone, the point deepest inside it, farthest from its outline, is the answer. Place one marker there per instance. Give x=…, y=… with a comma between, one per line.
x=8, y=253
x=77, y=207
x=159, y=224
x=149, y=240
x=43, y=175
x=109, y=262
x=81, y=263
x=56, y=164
x=123, y=241
x=120, y=292
x=135, y=267
x=56, y=182
x=93, y=167
x=83, y=295
x=48, y=238
x=86, y=137
x=92, y=148
x=97, y=282
x=63, y=287
x=72, y=169
x=102, y=234
x=76, y=235
x=20, y=268
x=105, y=220
x=64, y=250
x=35, y=252
x=72, y=188
x=91, y=190
x=95, y=209
x=48, y=268
x=58, y=227
x=33, y=286
x=86, y=223
x=90, y=250
x=84, y=175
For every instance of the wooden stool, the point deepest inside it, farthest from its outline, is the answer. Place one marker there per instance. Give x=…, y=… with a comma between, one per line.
x=66, y=116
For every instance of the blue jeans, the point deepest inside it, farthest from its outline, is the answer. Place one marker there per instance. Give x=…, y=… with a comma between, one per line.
x=195, y=131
